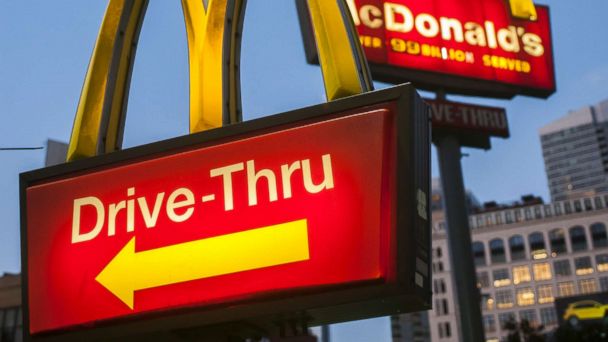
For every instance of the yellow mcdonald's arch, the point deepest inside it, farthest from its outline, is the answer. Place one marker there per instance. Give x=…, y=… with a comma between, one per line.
x=523, y=9
x=213, y=29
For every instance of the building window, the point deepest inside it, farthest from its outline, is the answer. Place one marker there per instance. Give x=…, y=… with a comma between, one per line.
x=537, y=245
x=497, y=251
x=439, y=286
x=548, y=212
x=487, y=302
x=479, y=253
x=489, y=323
x=517, y=248
x=577, y=206
x=506, y=318
x=598, y=235
x=441, y=307
x=483, y=279
x=445, y=330
x=566, y=289
x=11, y=328
x=545, y=294
x=537, y=213
x=562, y=268
x=598, y=203
x=528, y=214
x=509, y=217
x=521, y=274
x=582, y=266
x=578, y=238
x=498, y=218
x=439, y=252
x=542, y=271
x=601, y=261
x=604, y=284
x=558, y=209
x=548, y=316
x=504, y=299
x=588, y=205
x=587, y=286
x=530, y=316
x=525, y=296
x=557, y=238
x=501, y=277
x=567, y=207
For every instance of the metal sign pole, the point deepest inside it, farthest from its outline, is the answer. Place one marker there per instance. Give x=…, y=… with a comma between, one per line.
x=459, y=238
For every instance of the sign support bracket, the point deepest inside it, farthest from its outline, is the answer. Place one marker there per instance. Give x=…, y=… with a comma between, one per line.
x=459, y=236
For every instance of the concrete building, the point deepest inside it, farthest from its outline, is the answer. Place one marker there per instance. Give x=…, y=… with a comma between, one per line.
x=526, y=255
x=575, y=150
x=11, y=323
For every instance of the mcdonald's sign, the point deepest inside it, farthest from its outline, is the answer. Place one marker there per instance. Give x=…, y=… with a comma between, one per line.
x=494, y=48
x=320, y=214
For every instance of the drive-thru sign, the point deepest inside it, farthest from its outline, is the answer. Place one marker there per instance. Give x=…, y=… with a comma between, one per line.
x=324, y=207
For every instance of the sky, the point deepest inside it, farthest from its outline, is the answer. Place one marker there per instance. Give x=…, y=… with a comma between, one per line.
x=45, y=47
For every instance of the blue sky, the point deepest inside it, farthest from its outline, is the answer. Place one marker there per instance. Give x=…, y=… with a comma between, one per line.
x=45, y=48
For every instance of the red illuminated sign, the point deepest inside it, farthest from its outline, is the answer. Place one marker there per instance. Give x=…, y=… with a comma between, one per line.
x=302, y=203
x=462, y=118
x=462, y=46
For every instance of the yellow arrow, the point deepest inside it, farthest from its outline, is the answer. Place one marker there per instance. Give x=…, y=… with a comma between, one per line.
x=252, y=249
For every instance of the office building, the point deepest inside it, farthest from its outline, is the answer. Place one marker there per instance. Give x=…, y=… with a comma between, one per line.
x=575, y=150
x=11, y=323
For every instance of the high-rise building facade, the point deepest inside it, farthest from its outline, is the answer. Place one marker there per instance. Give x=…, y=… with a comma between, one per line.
x=575, y=150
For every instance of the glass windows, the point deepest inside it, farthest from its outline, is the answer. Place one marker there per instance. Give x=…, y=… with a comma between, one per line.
x=537, y=213
x=604, y=284
x=528, y=214
x=598, y=203
x=537, y=245
x=504, y=299
x=542, y=271
x=498, y=218
x=548, y=212
x=583, y=266
x=489, y=323
x=439, y=286
x=545, y=294
x=444, y=329
x=504, y=318
x=567, y=207
x=487, y=303
x=517, y=248
x=562, y=268
x=530, y=316
x=587, y=286
x=548, y=316
x=509, y=217
x=565, y=289
x=521, y=274
x=501, y=277
x=497, y=251
x=558, y=209
x=525, y=296
x=578, y=238
x=598, y=235
x=479, y=253
x=441, y=307
x=483, y=279
x=557, y=238
x=601, y=261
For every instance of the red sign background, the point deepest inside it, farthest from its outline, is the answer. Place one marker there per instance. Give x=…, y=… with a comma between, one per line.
x=486, y=60
x=349, y=225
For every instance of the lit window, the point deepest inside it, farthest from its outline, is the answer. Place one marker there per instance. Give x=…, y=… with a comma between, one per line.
x=525, y=296
x=578, y=238
x=583, y=266
x=516, y=246
x=504, y=299
x=562, y=268
x=598, y=235
x=501, y=277
x=489, y=323
x=521, y=274
x=566, y=289
x=601, y=261
x=548, y=316
x=542, y=271
x=537, y=246
x=545, y=294
x=587, y=286
x=487, y=303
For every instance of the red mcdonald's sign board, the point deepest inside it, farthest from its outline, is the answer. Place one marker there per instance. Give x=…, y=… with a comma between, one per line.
x=461, y=46
x=322, y=210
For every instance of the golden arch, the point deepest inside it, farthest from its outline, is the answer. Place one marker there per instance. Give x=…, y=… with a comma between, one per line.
x=213, y=29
